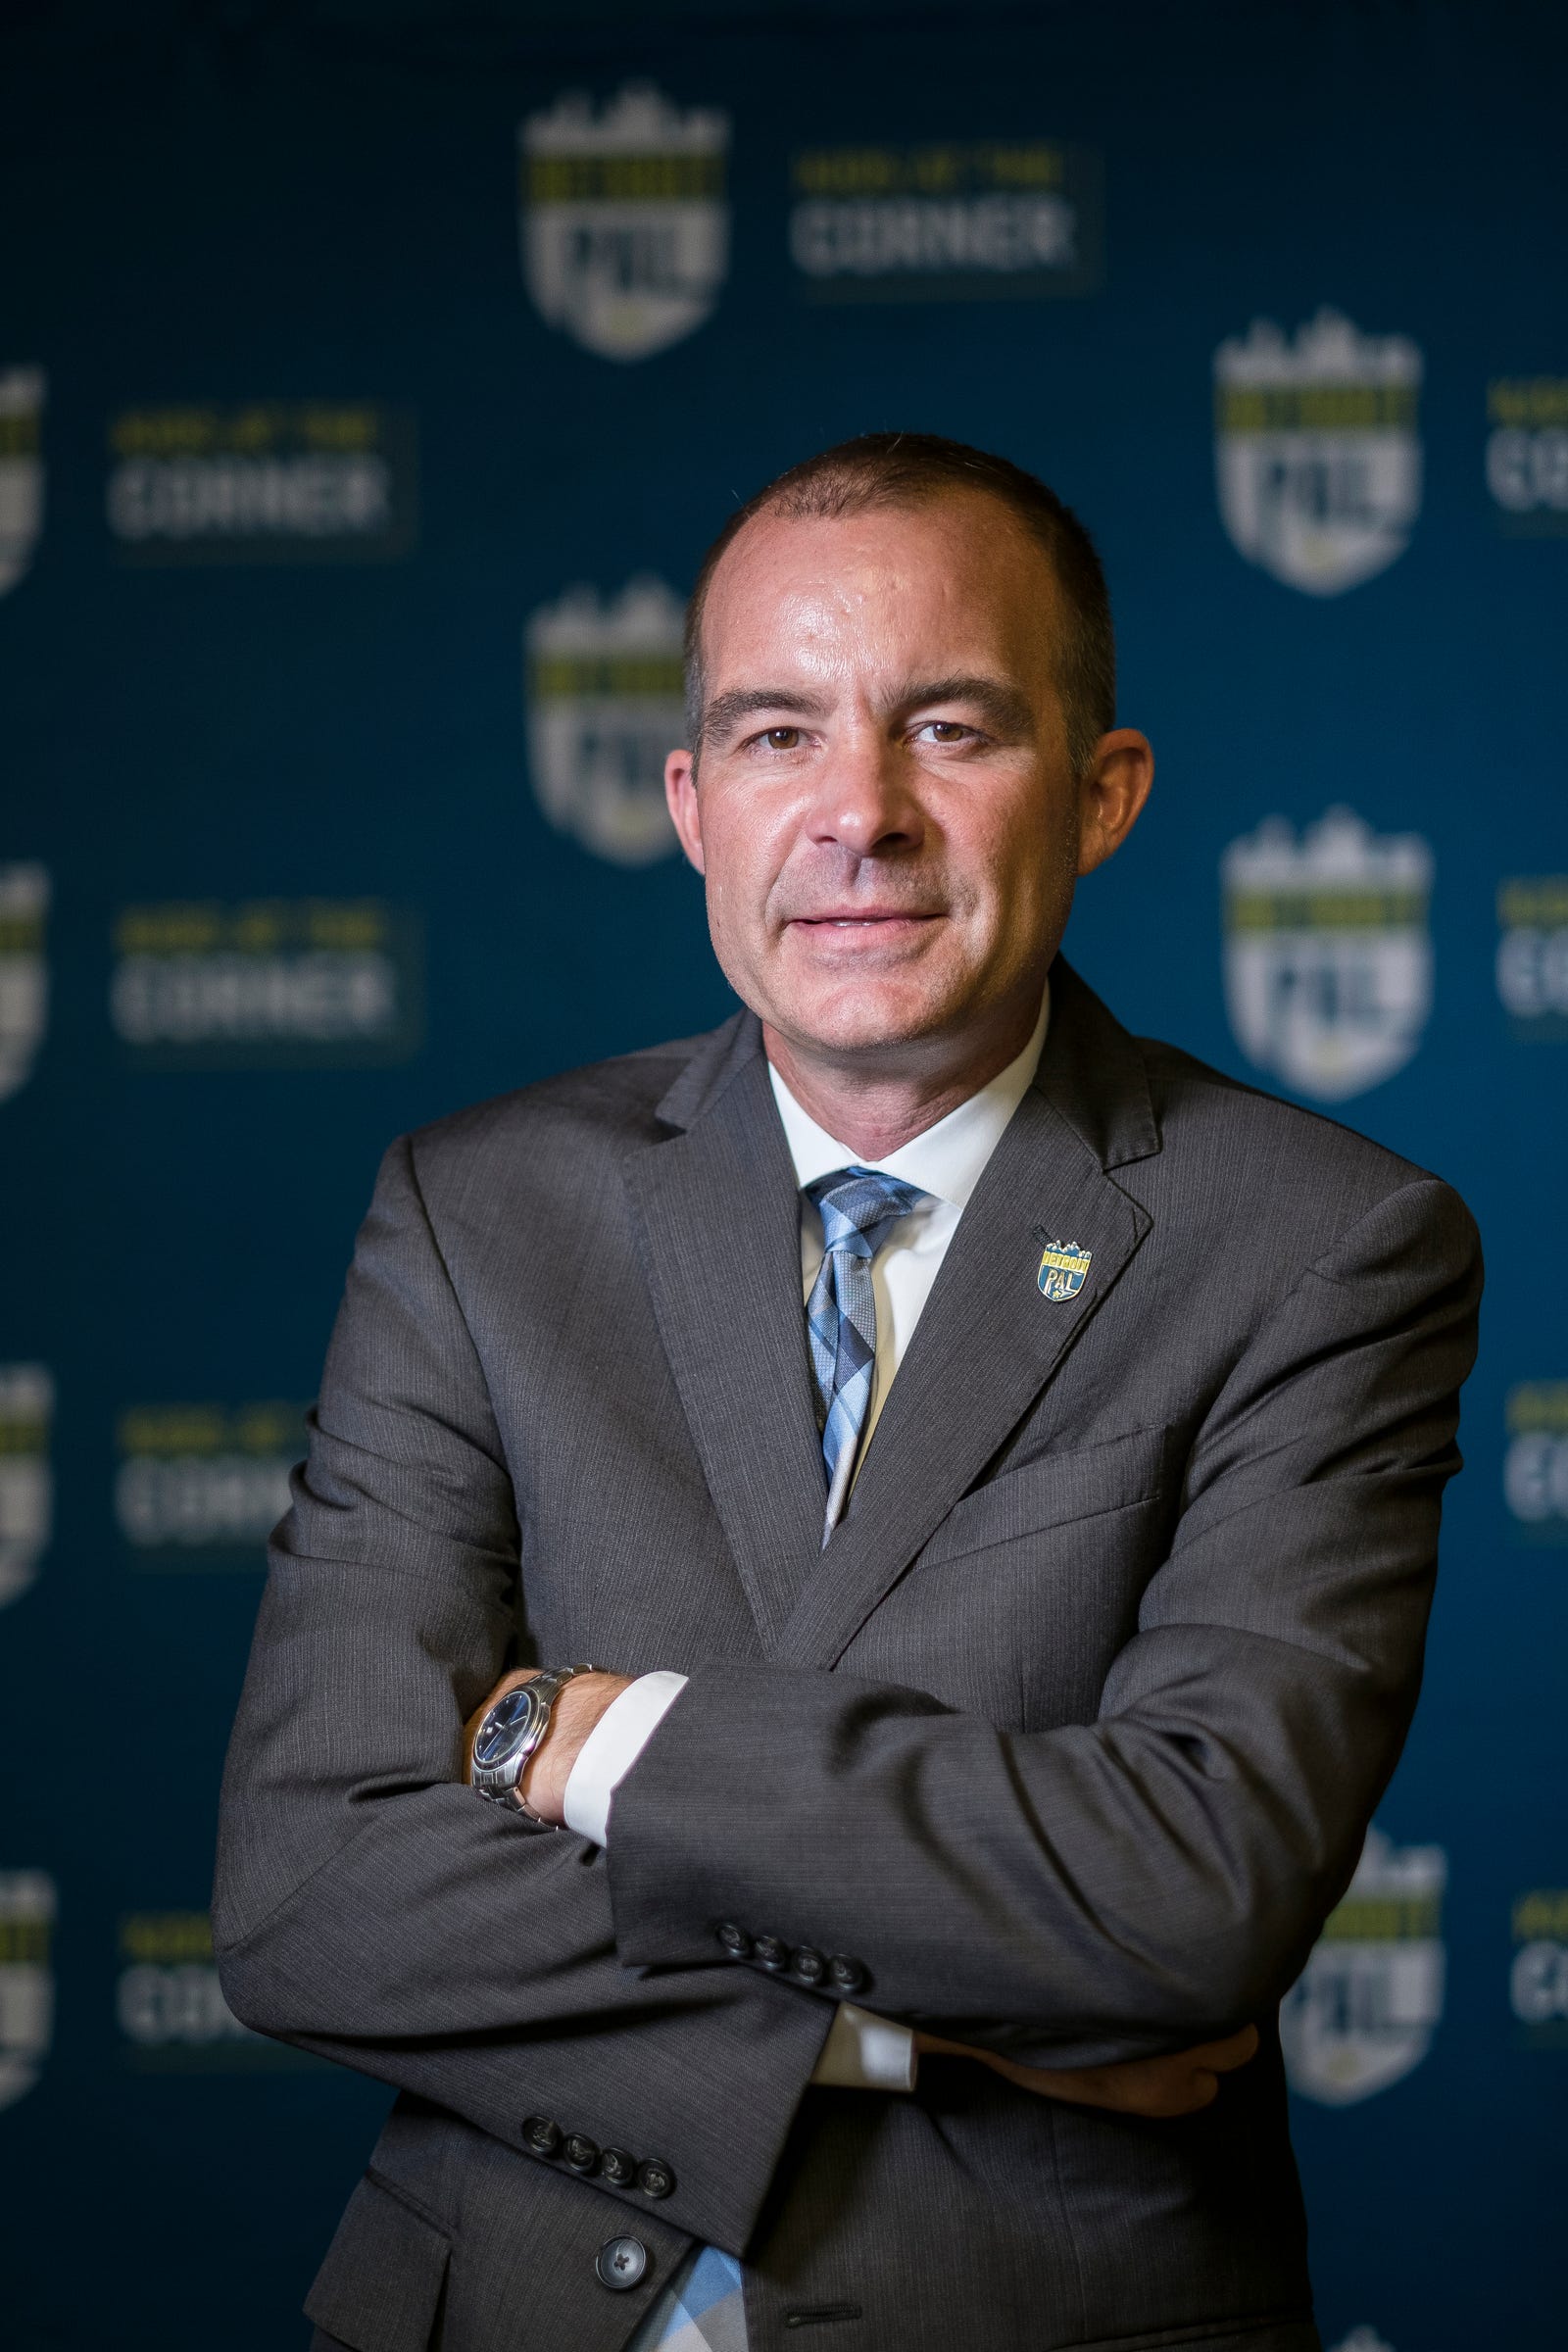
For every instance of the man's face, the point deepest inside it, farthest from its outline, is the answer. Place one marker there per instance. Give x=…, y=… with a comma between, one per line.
x=884, y=808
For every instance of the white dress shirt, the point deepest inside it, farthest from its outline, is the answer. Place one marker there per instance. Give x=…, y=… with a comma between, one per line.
x=946, y=1162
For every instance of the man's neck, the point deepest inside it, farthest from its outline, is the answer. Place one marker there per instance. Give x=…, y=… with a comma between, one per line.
x=875, y=1106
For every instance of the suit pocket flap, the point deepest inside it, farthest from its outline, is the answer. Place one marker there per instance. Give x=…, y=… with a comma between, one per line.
x=380, y=2285
x=1053, y=1490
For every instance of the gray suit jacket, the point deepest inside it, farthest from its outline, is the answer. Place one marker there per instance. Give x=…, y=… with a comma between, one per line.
x=1067, y=1742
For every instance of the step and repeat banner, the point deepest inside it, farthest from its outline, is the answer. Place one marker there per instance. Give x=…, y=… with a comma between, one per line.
x=371, y=382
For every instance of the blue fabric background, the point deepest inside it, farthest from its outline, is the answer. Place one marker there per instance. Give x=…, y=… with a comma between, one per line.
x=312, y=203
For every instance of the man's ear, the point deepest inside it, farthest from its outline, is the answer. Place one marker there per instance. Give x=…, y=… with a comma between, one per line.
x=1112, y=795
x=680, y=793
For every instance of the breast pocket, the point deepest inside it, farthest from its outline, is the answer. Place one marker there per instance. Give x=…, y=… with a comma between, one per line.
x=1055, y=1489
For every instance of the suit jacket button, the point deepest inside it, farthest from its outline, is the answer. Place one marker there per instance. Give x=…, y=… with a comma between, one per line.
x=845, y=1974
x=654, y=2178
x=581, y=2154
x=617, y=2168
x=619, y=2263
x=735, y=1940
x=770, y=1953
x=540, y=2135
x=808, y=1967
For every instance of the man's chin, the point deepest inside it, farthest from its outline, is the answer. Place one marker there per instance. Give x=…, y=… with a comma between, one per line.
x=865, y=1021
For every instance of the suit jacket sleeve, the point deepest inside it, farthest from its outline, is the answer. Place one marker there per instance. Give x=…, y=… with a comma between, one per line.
x=1087, y=1892
x=369, y=1906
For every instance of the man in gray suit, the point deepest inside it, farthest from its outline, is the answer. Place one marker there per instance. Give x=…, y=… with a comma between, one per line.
x=994, y=1466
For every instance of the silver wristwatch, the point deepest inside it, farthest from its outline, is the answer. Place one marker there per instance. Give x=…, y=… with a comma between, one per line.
x=511, y=1733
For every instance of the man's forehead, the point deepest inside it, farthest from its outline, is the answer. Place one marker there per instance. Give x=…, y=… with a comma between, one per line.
x=958, y=563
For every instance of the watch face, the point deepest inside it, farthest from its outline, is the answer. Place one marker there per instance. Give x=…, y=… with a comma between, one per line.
x=504, y=1726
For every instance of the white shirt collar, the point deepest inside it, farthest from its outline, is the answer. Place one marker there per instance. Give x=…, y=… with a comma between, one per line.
x=949, y=1158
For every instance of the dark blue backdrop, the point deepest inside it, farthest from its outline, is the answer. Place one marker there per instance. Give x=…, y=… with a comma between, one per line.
x=328, y=730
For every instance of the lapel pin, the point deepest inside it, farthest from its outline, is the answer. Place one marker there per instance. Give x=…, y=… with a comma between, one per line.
x=1062, y=1269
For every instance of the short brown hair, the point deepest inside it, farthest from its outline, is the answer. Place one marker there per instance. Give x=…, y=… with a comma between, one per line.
x=906, y=469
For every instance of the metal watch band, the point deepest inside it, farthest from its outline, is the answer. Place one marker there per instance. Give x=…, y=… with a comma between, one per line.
x=544, y=1689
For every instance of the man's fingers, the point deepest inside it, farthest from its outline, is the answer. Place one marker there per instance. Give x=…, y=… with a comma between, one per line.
x=1182, y=2083
x=1222, y=2057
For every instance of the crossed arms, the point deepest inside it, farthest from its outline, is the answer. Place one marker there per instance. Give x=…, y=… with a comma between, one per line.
x=1075, y=1899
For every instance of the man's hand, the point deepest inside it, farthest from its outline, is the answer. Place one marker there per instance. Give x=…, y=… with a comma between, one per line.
x=1179, y=2084
x=578, y=1709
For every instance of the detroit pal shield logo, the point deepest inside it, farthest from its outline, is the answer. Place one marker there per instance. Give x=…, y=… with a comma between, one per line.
x=23, y=972
x=1364, y=2010
x=27, y=1482
x=22, y=392
x=606, y=703
x=26, y=1979
x=1328, y=955
x=1063, y=1267
x=1317, y=450
x=623, y=220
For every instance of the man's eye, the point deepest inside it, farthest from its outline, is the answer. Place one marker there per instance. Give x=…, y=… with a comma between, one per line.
x=782, y=739
x=944, y=730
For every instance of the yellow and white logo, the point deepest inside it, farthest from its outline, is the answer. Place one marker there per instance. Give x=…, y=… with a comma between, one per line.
x=170, y=2005
x=1532, y=954
x=197, y=1481
x=267, y=983
x=623, y=219
x=27, y=1481
x=1318, y=451
x=26, y=1979
x=296, y=481
x=23, y=972
x=22, y=391
x=1537, y=1979
x=1535, y=1463
x=1063, y=1270
x=605, y=699
x=946, y=220
x=1327, y=954
x=1364, y=2010
x=1527, y=453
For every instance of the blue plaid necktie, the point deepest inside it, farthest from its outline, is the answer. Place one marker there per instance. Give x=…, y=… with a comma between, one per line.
x=860, y=1208
x=701, y=2310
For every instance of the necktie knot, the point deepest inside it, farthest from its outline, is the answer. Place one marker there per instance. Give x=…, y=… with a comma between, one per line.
x=860, y=1207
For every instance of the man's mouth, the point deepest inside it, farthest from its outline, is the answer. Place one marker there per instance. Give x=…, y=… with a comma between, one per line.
x=866, y=918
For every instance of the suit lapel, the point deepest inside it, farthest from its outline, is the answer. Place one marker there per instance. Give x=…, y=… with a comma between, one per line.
x=718, y=1216
x=987, y=1339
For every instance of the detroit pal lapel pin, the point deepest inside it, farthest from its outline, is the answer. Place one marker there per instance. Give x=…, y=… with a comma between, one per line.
x=1062, y=1269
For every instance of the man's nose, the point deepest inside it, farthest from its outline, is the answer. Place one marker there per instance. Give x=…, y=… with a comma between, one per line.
x=864, y=801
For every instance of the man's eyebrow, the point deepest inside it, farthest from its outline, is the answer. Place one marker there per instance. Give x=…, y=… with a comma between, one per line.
x=1008, y=711
x=741, y=702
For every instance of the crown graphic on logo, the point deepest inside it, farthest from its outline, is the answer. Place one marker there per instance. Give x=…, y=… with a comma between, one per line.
x=1326, y=350
x=646, y=617
x=636, y=122
x=1338, y=849
x=1388, y=1872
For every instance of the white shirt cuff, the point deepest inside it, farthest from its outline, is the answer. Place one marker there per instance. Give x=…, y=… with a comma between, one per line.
x=612, y=1748
x=863, y=2052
